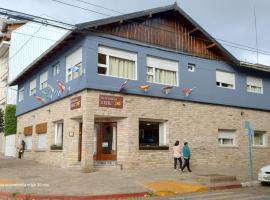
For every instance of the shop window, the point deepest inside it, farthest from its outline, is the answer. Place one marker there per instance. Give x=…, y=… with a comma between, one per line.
x=259, y=138
x=225, y=79
x=226, y=137
x=33, y=87
x=44, y=80
x=117, y=63
x=21, y=94
x=191, y=67
x=152, y=134
x=56, y=69
x=28, y=142
x=254, y=85
x=42, y=141
x=162, y=71
x=74, y=65
x=58, y=135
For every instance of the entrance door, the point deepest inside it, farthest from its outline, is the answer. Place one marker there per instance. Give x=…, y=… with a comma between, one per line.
x=106, y=141
x=80, y=143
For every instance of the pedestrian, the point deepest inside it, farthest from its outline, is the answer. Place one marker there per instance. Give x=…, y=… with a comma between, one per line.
x=186, y=156
x=21, y=149
x=177, y=155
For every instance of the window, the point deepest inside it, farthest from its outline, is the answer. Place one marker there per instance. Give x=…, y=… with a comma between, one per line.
x=21, y=94
x=74, y=65
x=152, y=134
x=33, y=86
x=44, y=80
x=225, y=79
x=58, y=136
x=28, y=142
x=254, y=85
x=226, y=137
x=117, y=63
x=191, y=67
x=42, y=141
x=56, y=69
x=259, y=138
x=162, y=71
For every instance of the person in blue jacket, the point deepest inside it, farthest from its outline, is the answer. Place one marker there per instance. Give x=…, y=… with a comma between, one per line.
x=186, y=156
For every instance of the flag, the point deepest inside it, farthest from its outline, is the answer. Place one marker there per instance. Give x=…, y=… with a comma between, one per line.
x=45, y=95
x=40, y=99
x=187, y=91
x=51, y=88
x=75, y=68
x=61, y=86
x=124, y=85
x=57, y=93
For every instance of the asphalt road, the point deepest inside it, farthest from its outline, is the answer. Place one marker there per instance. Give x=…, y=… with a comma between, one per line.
x=249, y=193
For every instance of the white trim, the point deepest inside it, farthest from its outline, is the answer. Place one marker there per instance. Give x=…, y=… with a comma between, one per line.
x=264, y=139
x=33, y=86
x=227, y=134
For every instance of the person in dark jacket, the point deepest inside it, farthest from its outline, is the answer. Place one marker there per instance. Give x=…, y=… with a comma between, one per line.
x=186, y=156
x=21, y=149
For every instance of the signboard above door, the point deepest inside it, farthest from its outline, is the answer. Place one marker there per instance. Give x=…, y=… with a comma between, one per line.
x=110, y=101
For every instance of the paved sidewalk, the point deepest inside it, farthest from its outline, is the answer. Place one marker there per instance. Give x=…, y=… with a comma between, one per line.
x=36, y=178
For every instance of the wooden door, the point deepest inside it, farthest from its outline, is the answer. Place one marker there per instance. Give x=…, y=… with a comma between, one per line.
x=106, y=134
x=80, y=143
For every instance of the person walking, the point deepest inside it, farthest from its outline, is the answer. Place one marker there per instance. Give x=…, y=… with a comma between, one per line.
x=21, y=149
x=177, y=155
x=186, y=156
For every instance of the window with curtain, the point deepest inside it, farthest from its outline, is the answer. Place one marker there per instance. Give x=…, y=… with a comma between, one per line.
x=117, y=63
x=44, y=80
x=162, y=71
x=33, y=86
x=74, y=65
x=259, y=138
x=254, y=85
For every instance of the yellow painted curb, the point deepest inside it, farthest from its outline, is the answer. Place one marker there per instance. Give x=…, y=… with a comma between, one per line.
x=167, y=188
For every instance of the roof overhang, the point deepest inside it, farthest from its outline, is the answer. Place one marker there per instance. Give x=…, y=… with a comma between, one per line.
x=259, y=67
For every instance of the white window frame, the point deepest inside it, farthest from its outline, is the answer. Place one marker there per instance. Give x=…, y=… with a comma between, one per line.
x=33, y=87
x=264, y=139
x=191, y=67
x=44, y=142
x=225, y=75
x=254, y=82
x=163, y=64
x=56, y=69
x=56, y=124
x=69, y=65
x=28, y=142
x=226, y=134
x=108, y=51
x=21, y=94
x=43, y=80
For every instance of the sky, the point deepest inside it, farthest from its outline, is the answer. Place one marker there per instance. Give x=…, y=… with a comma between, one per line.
x=225, y=20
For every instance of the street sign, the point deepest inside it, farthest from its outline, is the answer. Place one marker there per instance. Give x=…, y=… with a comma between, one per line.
x=249, y=130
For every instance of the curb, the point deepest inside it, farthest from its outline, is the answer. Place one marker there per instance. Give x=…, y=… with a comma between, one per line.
x=71, y=197
x=232, y=185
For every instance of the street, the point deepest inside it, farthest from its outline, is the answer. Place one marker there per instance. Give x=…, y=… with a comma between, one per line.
x=248, y=193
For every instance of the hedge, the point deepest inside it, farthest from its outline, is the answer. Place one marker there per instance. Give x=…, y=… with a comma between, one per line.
x=10, y=120
x=1, y=120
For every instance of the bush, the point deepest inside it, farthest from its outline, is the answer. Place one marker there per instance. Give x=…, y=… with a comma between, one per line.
x=1, y=120
x=10, y=120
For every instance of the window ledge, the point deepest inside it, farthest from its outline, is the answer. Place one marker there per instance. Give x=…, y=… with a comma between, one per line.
x=40, y=150
x=229, y=146
x=154, y=148
x=259, y=147
x=55, y=150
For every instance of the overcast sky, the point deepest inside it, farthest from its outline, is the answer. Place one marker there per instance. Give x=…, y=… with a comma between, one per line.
x=229, y=20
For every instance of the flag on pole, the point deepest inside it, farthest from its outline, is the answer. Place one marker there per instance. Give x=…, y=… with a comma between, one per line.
x=75, y=68
x=124, y=85
x=61, y=86
x=57, y=93
x=40, y=99
x=188, y=91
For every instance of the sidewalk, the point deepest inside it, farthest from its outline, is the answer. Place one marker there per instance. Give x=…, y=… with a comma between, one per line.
x=31, y=177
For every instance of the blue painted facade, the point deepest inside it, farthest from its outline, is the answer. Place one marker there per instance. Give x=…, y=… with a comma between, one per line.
x=204, y=78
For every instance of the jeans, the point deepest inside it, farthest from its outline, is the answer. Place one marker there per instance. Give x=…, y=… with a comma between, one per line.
x=180, y=162
x=186, y=164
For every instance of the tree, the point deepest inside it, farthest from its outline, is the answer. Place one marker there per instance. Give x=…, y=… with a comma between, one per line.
x=1, y=120
x=10, y=126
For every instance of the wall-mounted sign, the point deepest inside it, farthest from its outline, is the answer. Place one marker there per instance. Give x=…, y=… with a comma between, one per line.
x=110, y=101
x=41, y=128
x=28, y=130
x=75, y=103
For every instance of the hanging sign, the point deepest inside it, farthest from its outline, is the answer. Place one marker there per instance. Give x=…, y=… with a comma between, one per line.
x=75, y=103
x=110, y=101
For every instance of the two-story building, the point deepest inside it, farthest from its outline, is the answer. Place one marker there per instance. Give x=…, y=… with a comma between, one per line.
x=122, y=90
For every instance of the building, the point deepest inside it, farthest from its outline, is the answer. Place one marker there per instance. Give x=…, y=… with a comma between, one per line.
x=122, y=90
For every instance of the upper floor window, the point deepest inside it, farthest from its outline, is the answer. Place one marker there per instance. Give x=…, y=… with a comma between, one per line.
x=56, y=69
x=162, y=71
x=117, y=63
x=254, y=85
x=74, y=65
x=21, y=94
x=259, y=138
x=191, y=67
x=225, y=79
x=44, y=80
x=33, y=87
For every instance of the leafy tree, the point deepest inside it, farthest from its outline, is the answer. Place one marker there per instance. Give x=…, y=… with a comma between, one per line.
x=10, y=120
x=1, y=120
